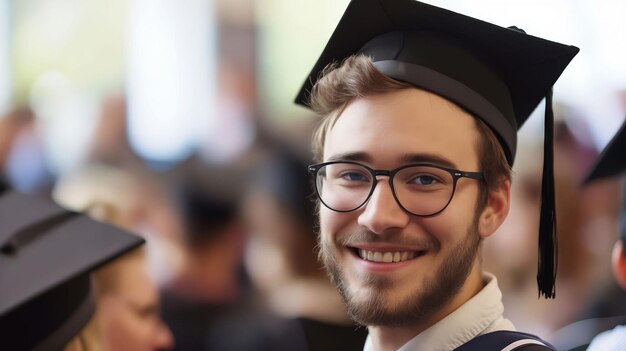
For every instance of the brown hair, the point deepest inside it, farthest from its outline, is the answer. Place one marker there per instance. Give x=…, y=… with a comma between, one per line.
x=356, y=77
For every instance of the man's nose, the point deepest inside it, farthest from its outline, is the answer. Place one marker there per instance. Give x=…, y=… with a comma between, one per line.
x=382, y=212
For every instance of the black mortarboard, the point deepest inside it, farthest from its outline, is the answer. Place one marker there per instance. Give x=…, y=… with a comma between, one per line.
x=498, y=74
x=610, y=163
x=46, y=256
x=612, y=160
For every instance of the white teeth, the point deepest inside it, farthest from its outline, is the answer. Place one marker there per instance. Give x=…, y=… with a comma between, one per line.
x=386, y=257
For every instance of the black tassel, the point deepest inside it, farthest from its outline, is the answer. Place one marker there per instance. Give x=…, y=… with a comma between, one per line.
x=548, y=243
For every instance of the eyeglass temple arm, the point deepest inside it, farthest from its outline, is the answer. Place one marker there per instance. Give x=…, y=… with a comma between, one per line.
x=472, y=175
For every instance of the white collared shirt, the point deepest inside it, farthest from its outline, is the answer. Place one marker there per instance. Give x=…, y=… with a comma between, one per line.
x=612, y=340
x=481, y=314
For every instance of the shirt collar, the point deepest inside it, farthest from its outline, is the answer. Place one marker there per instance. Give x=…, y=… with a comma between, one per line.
x=479, y=315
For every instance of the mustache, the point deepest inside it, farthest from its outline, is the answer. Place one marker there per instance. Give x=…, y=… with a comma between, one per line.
x=399, y=239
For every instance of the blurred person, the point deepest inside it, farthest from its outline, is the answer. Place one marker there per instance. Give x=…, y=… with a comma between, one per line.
x=115, y=193
x=211, y=234
x=128, y=314
x=10, y=125
x=109, y=142
x=416, y=142
x=203, y=295
x=23, y=162
x=47, y=258
x=146, y=203
x=141, y=205
x=282, y=261
x=610, y=164
x=510, y=254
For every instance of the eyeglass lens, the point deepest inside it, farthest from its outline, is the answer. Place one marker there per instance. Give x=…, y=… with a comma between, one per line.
x=421, y=190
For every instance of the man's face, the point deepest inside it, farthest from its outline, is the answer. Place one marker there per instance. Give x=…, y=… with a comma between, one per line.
x=385, y=132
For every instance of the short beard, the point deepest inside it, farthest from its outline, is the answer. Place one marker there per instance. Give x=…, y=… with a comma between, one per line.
x=423, y=303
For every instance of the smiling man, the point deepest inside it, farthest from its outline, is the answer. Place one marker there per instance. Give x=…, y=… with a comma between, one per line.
x=420, y=110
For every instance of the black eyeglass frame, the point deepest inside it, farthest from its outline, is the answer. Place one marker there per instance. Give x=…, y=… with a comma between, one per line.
x=455, y=173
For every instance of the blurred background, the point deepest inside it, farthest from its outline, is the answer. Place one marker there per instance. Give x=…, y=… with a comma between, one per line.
x=185, y=76
x=168, y=110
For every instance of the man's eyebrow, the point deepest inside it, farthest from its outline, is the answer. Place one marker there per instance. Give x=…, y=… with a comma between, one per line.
x=404, y=159
x=350, y=156
x=428, y=158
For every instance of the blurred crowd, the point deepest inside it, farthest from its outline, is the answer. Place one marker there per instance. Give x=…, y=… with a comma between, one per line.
x=231, y=260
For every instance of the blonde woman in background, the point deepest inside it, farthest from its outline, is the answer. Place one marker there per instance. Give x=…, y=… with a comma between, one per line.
x=47, y=258
x=128, y=314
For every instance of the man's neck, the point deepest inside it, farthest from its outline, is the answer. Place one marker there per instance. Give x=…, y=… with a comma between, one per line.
x=391, y=338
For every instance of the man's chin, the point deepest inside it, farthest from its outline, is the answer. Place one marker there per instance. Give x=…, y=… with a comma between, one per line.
x=382, y=301
x=368, y=297
x=376, y=307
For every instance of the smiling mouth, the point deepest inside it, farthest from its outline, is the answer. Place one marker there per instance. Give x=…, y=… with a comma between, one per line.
x=387, y=257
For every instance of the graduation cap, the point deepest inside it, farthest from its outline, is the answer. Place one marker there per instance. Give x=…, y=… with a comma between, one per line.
x=610, y=163
x=612, y=160
x=46, y=256
x=498, y=74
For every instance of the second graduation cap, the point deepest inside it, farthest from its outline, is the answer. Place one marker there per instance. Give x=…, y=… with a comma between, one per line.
x=497, y=74
x=46, y=256
x=612, y=160
x=612, y=163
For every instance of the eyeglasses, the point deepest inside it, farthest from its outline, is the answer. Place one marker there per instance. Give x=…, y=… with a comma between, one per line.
x=420, y=189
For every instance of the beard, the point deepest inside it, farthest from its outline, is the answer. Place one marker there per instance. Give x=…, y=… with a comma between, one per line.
x=377, y=308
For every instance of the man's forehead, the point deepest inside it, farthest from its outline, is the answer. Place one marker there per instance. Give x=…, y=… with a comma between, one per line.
x=406, y=122
x=413, y=107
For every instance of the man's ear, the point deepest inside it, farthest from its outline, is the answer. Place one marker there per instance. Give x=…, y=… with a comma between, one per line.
x=496, y=209
x=619, y=264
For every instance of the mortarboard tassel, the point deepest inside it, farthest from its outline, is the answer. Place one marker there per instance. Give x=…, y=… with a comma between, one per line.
x=548, y=243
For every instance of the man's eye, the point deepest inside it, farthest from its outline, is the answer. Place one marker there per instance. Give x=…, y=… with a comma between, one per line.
x=354, y=177
x=424, y=180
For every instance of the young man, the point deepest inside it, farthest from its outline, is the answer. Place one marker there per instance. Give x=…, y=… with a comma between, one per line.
x=420, y=110
x=612, y=163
